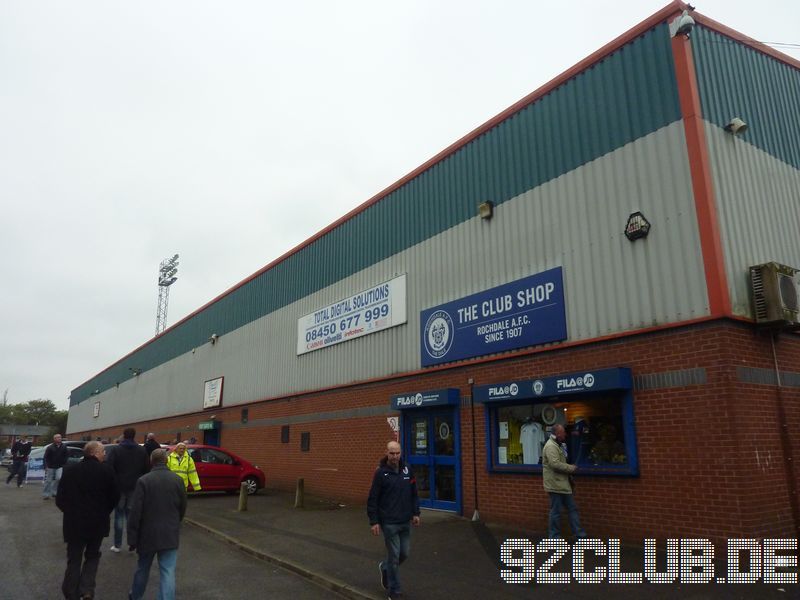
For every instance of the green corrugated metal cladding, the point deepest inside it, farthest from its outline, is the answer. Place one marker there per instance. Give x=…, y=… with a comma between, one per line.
x=737, y=81
x=627, y=95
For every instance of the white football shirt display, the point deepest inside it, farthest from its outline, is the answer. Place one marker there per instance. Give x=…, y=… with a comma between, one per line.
x=532, y=438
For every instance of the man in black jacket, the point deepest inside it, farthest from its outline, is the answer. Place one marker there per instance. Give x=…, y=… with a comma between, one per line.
x=393, y=504
x=55, y=457
x=86, y=495
x=151, y=444
x=129, y=461
x=20, y=451
x=159, y=504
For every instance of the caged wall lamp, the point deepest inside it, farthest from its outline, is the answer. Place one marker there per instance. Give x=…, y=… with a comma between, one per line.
x=637, y=227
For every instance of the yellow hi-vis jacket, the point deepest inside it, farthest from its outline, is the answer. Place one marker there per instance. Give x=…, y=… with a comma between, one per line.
x=185, y=468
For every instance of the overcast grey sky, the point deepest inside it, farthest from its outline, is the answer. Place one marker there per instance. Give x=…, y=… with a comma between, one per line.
x=230, y=132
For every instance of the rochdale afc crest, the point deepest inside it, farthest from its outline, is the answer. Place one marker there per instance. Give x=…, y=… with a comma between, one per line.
x=438, y=335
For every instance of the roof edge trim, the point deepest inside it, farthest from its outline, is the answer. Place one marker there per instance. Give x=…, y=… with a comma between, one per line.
x=662, y=15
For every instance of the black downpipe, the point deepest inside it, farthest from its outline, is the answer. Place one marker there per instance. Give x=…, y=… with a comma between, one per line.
x=475, y=516
x=786, y=444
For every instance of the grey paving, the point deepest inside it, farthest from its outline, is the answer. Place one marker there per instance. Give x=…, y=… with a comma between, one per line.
x=451, y=557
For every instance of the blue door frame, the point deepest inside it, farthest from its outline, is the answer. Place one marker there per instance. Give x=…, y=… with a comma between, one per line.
x=427, y=431
x=211, y=437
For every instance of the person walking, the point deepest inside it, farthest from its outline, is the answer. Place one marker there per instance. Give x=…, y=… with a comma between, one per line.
x=55, y=457
x=556, y=472
x=159, y=504
x=128, y=461
x=392, y=506
x=151, y=444
x=86, y=495
x=20, y=451
x=179, y=461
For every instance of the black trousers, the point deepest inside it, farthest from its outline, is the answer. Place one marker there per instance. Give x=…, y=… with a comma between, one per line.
x=83, y=558
x=18, y=469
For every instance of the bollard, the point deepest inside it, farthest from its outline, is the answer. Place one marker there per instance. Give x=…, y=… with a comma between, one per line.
x=299, y=496
x=242, y=497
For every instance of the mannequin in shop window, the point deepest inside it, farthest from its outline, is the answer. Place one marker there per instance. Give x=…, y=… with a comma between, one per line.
x=609, y=448
x=579, y=440
x=532, y=438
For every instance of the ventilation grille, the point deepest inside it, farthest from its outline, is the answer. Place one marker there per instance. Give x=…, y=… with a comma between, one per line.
x=759, y=301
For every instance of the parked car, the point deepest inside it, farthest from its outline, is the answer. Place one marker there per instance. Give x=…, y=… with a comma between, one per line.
x=6, y=461
x=36, y=458
x=221, y=469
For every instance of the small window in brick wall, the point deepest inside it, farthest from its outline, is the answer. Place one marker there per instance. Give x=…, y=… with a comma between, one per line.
x=305, y=441
x=285, y=434
x=245, y=415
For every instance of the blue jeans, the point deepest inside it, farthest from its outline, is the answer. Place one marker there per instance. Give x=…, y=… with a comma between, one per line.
x=121, y=512
x=51, y=479
x=557, y=502
x=397, y=537
x=166, y=566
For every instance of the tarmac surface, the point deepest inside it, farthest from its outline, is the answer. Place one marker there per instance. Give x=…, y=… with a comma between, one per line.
x=451, y=557
x=326, y=550
x=33, y=559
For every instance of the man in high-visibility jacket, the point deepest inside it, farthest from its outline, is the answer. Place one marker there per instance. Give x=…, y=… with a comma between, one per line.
x=181, y=463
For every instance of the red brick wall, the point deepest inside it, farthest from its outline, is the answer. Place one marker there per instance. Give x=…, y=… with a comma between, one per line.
x=711, y=459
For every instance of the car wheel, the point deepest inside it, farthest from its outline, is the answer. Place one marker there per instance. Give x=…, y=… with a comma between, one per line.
x=252, y=485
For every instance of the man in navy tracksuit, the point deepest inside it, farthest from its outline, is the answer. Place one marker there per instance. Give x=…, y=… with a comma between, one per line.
x=19, y=453
x=392, y=506
x=129, y=461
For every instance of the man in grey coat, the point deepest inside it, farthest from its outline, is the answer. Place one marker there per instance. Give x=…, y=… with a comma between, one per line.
x=154, y=524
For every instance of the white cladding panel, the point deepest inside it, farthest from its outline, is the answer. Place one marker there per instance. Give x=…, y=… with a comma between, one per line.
x=575, y=221
x=758, y=204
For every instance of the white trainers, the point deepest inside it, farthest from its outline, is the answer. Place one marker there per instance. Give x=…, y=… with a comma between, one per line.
x=114, y=549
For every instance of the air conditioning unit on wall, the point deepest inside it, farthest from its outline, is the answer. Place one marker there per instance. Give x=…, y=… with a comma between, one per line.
x=774, y=289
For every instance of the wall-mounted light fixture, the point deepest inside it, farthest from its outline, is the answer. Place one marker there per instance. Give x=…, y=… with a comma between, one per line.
x=636, y=227
x=94, y=392
x=135, y=370
x=485, y=210
x=213, y=339
x=736, y=126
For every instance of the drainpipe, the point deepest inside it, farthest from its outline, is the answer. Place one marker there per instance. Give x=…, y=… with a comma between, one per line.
x=788, y=459
x=475, y=516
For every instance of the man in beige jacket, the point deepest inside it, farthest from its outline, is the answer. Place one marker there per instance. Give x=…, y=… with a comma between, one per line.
x=556, y=473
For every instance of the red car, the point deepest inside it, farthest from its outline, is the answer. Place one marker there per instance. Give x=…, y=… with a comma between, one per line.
x=220, y=469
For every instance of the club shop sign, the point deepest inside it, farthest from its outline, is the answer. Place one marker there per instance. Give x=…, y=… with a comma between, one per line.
x=378, y=308
x=525, y=312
